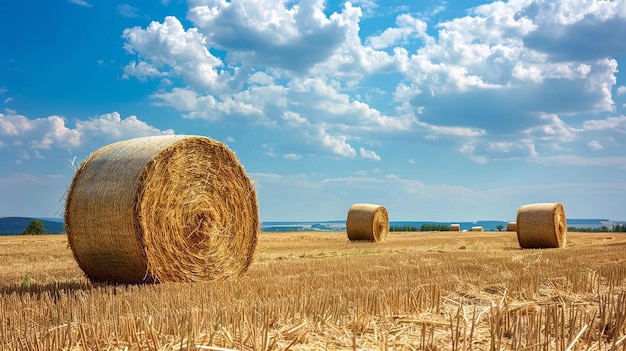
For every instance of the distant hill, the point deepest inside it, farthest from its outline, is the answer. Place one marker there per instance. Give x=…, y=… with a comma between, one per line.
x=16, y=225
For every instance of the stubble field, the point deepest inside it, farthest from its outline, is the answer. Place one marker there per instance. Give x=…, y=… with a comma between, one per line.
x=318, y=291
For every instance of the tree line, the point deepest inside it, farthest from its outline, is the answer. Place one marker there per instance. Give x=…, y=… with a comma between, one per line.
x=426, y=227
x=616, y=228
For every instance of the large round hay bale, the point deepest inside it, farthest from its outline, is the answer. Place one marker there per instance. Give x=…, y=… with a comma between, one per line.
x=162, y=209
x=455, y=227
x=478, y=228
x=367, y=222
x=541, y=225
x=511, y=227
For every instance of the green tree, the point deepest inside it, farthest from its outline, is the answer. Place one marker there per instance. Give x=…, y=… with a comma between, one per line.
x=499, y=227
x=35, y=227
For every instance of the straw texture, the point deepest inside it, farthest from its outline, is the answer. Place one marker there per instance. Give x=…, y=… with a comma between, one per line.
x=367, y=222
x=454, y=227
x=511, y=227
x=162, y=209
x=477, y=228
x=541, y=225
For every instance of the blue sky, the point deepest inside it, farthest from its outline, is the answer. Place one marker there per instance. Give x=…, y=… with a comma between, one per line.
x=437, y=111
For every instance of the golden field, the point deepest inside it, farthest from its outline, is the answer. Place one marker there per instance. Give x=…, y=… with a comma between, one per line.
x=319, y=291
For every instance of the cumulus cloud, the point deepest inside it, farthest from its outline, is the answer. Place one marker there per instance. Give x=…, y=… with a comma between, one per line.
x=336, y=144
x=173, y=50
x=277, y=34
x=368, y=154
x=407, y=28
x=43, y=133
x=53, y=132
x=515, y=71
x=111, y=126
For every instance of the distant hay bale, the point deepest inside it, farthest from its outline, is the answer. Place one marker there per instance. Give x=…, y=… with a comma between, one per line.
x=541, y=225
x=162, y=209
x=511, y=227
x=477, y=228
x=367, y=222
x=455, y=227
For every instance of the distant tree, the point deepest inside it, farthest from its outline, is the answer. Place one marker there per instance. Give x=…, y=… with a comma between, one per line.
x=35, y=227
x=403, y=228
x=499, y=227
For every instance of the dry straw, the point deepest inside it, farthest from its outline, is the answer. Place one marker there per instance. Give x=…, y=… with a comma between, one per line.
x=477, y=228
x=454, y=227
x=162, y=209
x=367, y=222
x=541, y=225
x=511, y=227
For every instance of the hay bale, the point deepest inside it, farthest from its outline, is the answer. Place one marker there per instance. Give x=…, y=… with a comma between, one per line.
x=455, y=227
x=478, y=228
x=511, y=227
x=162, y=209
x=541, y=225
x=367, y=222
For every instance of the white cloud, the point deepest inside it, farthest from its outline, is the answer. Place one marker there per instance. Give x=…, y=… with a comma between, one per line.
x=368, y=154
x=408, y=27
x=608, y=123
x=276, y=34
x=142, y=70
x=336, y=144
x=127, y=10
x=80, y=3
x=170, y=48
x=30, y=137
x=295, y=68
x=595, y=145
x=291, y=156
x=41, y=133
x=621, y=90
x=294, y=119
x=111, y=126
x=206, y=106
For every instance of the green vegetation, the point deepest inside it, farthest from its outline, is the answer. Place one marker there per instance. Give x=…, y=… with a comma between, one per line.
x=426, y=227
x=35, y=227
x=617, y=228
x=403, y=228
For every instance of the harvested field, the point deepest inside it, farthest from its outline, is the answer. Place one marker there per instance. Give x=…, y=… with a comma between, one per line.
x=319, y=291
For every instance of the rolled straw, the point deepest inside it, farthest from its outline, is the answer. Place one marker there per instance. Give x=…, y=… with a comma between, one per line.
x=477, y=228
x=162, y=209
x=541, y=225
x=454, y=227
x=511, y=227
x=367, y=222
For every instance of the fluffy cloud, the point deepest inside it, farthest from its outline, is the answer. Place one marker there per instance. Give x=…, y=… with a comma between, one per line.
x=53, y=132
x=111, y=126
x=519, y=80
x=277, y=34
x=173, y=50
x=44, y=133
